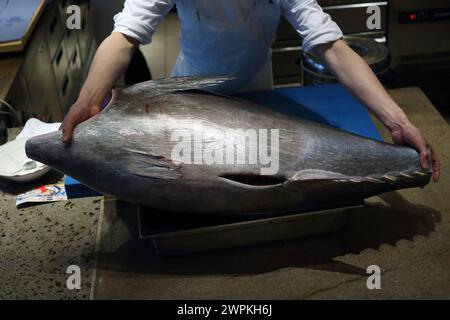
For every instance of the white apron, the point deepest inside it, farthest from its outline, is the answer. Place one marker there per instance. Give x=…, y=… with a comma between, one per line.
x=215, y=48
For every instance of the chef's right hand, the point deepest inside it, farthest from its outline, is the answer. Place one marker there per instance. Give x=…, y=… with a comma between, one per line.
x=79, y=112
x=109, y=63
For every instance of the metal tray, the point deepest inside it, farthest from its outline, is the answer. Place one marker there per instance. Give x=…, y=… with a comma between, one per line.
x=172, y=237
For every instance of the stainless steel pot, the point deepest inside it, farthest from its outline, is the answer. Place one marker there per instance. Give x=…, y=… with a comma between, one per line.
x=314, y=70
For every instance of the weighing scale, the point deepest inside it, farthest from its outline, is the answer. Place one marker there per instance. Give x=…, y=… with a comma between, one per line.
x=176, y=235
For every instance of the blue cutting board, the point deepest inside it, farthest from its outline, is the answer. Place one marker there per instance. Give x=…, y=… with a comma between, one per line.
x=329, y=104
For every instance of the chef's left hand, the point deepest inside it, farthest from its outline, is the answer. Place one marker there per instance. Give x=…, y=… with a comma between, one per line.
x=411, y=135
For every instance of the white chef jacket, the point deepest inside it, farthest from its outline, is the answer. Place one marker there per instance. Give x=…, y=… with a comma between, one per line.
x=140, y=18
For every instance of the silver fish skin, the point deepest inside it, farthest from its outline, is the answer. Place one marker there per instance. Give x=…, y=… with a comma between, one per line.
x=127, y=151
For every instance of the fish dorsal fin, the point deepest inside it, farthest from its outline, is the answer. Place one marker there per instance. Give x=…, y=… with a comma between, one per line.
x=211, y=93
x=201, y=91
x=168, y=85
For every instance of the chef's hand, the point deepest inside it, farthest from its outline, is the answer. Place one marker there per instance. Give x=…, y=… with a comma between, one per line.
x=354, y=73
x=411, y=135
x=78, y=113
x=110, y=62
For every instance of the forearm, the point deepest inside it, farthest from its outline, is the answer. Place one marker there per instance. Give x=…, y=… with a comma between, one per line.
x=110, y=62
x=354, y=73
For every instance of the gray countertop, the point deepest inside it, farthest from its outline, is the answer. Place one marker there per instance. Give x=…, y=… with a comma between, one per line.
x=406, y=233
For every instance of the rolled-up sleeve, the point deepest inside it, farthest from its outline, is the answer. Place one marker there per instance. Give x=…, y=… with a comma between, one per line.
x=139, y=18
x=313, y=25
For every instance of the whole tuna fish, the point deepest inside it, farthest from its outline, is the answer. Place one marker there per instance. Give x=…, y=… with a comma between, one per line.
x=171, y=146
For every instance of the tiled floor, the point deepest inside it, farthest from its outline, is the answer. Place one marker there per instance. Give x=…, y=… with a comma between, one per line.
x=162, y=53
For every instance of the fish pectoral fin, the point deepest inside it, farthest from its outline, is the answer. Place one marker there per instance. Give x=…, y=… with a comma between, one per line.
x=146, y=165
x=254, y=180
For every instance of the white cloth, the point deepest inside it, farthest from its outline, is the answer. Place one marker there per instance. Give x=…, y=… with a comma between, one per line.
x=228, y=37
x=35, y=127
x=14, y=163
